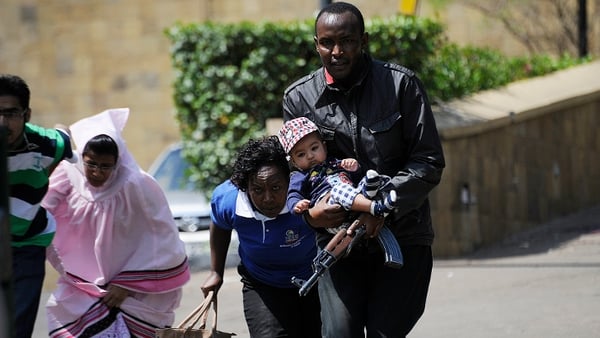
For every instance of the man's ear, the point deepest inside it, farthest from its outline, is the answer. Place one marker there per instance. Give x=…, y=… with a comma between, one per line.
x=27, y=114
x=364, y=40
x=316, y=43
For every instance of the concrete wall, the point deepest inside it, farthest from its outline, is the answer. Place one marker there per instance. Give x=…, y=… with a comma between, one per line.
x=81, y=57
x=536, y=158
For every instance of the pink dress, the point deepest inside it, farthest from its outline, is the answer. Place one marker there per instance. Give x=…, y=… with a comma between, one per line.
x=121, y=233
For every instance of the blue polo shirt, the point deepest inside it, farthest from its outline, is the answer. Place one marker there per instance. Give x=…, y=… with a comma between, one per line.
x=273, y=250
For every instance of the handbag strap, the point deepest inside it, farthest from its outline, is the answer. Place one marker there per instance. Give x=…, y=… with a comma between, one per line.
x=214, y=317
x=198, y=312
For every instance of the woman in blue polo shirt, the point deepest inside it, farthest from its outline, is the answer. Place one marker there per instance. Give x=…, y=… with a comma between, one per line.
x=274, y=244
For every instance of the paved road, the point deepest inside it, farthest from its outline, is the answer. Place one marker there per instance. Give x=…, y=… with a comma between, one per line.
x=542, y=283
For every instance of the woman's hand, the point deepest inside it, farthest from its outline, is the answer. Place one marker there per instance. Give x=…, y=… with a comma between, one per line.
x=115, y=296
x=324, y=215
x=212, y=283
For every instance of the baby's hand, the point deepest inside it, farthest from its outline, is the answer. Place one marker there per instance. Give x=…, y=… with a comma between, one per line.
x=301, y=206
x=349, y=164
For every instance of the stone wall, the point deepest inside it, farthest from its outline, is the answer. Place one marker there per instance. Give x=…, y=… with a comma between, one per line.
x=520, y=174
x=526, y=168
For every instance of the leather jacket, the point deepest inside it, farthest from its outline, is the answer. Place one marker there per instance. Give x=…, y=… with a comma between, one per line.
x=384, y=121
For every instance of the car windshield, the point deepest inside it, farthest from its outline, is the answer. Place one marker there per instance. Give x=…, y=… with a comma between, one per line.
x=171, y=173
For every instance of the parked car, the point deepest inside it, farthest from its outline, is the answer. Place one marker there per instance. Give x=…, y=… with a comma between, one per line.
x=189, y=206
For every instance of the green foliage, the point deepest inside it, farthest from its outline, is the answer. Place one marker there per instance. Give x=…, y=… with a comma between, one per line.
x=230, y=78
x=456, y=71
x=405, y=40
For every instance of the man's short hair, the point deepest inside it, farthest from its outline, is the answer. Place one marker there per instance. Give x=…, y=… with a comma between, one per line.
x=340, y=8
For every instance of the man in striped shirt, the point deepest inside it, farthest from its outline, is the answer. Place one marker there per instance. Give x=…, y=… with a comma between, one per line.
x=33, y=152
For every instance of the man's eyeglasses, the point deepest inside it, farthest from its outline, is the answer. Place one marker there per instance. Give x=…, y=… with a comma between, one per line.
x=94, y=166
x=12, y=113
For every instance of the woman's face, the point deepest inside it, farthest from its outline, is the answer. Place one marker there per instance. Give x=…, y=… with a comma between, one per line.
x=267, y=190
x=98, y=167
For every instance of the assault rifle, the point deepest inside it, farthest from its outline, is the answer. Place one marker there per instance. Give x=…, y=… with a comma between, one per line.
x=340, y=245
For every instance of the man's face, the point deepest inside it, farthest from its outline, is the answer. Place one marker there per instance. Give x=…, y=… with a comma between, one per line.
x=13, y=117
x=339, y=43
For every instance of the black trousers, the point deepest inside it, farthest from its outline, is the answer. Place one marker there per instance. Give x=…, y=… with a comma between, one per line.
x=359, y=293
x=29, y=268
x=279, y=312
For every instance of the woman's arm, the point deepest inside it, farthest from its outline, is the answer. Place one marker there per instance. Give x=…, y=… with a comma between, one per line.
x=219, y=245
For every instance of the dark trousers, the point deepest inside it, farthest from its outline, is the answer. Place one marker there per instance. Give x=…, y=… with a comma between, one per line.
x=28, y=277
x=359, y=293
x=279, y=312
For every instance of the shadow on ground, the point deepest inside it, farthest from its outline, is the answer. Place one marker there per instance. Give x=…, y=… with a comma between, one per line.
x=543, y=238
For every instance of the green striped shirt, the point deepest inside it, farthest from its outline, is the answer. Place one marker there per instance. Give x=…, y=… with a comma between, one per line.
x=28, y=171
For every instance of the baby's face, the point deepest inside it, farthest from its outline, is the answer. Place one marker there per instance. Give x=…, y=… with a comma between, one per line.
x=308, y=152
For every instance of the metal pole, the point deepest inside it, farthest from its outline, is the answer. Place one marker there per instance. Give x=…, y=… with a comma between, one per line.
x=324, y=3
x=6, y=287
x=583, y=43
x=408, y=7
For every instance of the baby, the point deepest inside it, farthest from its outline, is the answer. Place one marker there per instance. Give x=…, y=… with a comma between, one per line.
x=319, y=174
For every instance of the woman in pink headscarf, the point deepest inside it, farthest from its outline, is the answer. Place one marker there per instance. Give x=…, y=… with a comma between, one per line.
x=117, y=249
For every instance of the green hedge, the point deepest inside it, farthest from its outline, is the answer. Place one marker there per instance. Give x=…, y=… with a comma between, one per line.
x=457, y=71
x=230, y=77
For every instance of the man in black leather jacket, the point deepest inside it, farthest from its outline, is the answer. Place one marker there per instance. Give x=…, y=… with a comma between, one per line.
x=378, y=113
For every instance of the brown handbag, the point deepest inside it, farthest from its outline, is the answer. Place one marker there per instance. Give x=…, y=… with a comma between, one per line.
x=198, y=315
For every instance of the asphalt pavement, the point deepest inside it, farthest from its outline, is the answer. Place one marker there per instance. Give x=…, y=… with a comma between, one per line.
x=541, y=283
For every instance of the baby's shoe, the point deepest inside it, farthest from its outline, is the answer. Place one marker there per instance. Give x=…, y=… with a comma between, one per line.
x=382, y=208
x=372, y=183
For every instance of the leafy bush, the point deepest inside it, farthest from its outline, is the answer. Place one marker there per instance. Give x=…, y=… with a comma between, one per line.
x=456, y=71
